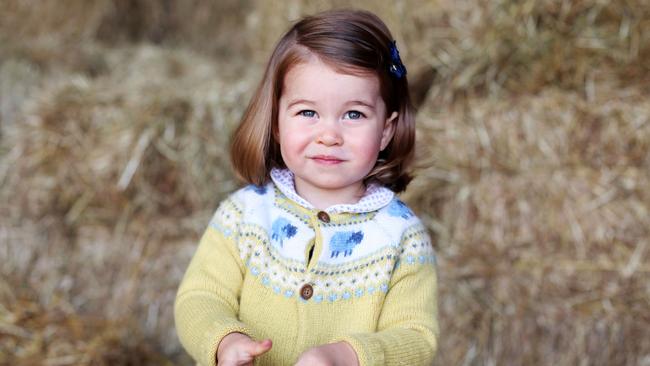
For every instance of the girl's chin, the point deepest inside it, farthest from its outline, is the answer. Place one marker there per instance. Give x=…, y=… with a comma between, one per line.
x=334, y=184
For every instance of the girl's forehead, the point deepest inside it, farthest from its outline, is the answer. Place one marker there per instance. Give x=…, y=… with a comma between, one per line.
x=314, y=76
x=317, y=64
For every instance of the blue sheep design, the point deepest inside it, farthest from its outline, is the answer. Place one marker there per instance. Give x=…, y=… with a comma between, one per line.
x=281, y=230
x=345, y=241
x=398, y=208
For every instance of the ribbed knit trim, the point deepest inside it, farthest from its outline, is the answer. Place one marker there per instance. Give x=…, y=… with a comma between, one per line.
x=208, y=342
x=368, y=350
x=375, y=198
x=213, y=339
x=397, y=347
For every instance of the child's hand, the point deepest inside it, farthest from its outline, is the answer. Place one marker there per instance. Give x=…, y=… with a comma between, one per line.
x=334, y=354
x=237, y=349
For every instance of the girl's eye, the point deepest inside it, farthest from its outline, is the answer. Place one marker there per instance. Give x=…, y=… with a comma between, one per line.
x=354, y=115
x=307, y=113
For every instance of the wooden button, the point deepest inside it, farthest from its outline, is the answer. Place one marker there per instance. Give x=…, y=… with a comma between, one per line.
x=306, y=292
x=323, y=216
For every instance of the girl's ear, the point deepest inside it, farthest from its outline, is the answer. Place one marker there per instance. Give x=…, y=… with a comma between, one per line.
x=389, y=130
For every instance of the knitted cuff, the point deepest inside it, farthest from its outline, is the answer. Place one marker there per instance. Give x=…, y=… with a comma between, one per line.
x=368, y=350
x=391, y=347
x=213, y=337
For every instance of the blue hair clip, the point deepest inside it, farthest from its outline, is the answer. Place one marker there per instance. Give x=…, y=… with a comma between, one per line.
x=396, y=67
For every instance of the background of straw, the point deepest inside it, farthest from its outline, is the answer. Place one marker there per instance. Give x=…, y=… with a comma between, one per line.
x=533, y=170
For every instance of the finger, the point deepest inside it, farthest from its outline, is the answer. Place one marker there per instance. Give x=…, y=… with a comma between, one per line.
x=259, y=348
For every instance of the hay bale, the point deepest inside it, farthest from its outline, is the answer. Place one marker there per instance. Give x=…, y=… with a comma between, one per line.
x=96, y=149
x=212, y=27
x=18, y=81
x=541, y=215
x=532, y=170
x=108, y=182
x=525, y=46
x=33, y=334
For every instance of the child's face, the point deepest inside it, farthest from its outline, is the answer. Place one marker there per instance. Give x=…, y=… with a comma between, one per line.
x=332, y=127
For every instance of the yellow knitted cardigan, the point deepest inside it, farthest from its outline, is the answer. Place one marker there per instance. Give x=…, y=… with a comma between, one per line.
x=371, y=276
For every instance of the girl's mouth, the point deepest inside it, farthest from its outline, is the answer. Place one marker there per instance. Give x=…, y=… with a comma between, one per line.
x=327, y=159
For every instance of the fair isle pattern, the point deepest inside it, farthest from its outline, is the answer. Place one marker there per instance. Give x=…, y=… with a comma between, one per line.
x=359, y=252
x=372, y=273
x=281, y=201
x=256, y=250
x=375, y=197
x=416, y=247
x=227, y=217
x=285, y=276
x=331, y=283
x=282, y=229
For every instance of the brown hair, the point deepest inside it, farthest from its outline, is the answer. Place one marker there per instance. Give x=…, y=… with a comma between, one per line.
x=352, y=41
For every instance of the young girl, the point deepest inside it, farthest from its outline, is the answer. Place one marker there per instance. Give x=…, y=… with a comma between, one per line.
x=316, y=262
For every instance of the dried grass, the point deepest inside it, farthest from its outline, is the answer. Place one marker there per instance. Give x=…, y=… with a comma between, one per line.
x=541, y=213
x=105, y=188
x=209, y=26
x=525, y=46
x=56, y=335
x=533, y=170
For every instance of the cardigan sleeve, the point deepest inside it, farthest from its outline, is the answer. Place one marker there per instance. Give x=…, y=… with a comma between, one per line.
x=207, y=302
x=407, y=331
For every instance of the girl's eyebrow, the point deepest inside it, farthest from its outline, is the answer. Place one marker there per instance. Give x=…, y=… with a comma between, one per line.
x=299, y=101
x=361, y=102
x=352, y=102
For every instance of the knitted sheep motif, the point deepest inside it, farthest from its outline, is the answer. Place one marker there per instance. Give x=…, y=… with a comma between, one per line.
x=397, y=208
x=345, y=241
x=281, y=230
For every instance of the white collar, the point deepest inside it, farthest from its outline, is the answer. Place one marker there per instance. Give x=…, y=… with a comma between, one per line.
x=376, y=196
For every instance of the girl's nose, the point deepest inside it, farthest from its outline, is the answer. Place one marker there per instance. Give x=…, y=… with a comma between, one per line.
x=329, y=134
